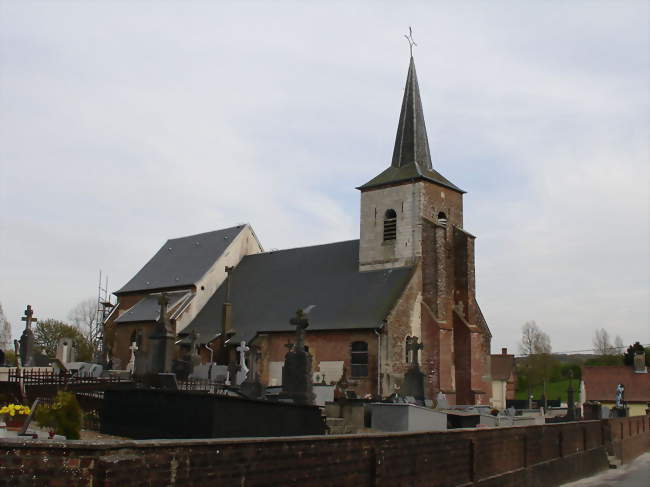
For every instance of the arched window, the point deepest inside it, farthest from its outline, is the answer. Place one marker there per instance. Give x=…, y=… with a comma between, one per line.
x=442, y=219
x=390, y=225
x=359, y=359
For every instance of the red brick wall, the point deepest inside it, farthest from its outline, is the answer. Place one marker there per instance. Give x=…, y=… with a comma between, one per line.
x=324, y=346
x=522, y=456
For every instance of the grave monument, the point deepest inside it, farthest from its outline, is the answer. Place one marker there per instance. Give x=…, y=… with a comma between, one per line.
x=27, y=339
x=161, y=341
x=414, y=378
x=296, y=375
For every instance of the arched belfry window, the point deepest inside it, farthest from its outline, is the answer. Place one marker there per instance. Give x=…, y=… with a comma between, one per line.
x=390, y=225
x=442, y=219
x=359, y=359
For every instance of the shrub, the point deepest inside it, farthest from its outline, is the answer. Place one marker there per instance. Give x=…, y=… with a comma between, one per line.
x=64, y=416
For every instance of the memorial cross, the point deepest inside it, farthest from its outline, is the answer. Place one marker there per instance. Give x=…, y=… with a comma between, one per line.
x=29, y=317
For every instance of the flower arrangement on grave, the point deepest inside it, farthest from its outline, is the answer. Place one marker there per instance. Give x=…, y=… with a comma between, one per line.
x=15, y=415
x=63, y=417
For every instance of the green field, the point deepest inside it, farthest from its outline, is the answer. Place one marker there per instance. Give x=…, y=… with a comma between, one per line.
x=554, y=390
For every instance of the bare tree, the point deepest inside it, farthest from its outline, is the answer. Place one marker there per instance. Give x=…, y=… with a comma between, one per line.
x=601, y=342
x=83, y=315
x=5, y=331
x=618, y=344
x=533, y=340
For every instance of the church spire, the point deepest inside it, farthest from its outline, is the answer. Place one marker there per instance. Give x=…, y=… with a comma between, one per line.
x=411, y=156
x=411, y=142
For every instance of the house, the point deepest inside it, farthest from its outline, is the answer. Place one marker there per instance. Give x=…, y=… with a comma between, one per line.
x=504, y=378
x=599, y=383
x=410, y=274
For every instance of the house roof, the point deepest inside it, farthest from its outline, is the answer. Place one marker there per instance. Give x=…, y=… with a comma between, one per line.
x=266, y=290
x=411, y=154
x=601, y=381
x=181, y=261
x=502, y=366
x=148, y=308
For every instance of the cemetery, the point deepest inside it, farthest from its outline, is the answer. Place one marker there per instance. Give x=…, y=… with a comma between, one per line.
x=146, y=415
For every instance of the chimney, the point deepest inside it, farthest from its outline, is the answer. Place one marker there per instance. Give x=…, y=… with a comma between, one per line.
x=639, y=364
x=504, y=351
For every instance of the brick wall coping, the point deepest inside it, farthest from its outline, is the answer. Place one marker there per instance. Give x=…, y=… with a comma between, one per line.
x=6, y=443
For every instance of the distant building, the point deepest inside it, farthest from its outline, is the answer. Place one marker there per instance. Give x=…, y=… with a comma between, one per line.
x=599, y=383
x=411, y=274
x=504, y=378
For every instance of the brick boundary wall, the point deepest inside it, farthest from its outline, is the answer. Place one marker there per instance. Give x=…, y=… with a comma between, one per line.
x=545, y=456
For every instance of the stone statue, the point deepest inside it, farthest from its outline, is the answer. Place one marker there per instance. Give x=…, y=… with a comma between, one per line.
x=620, y=390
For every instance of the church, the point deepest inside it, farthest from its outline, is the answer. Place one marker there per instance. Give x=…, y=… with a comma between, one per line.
x=409, y=278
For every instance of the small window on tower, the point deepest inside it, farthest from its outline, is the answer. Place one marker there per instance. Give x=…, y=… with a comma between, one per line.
x=359, y=359
x=390, y=225
x=442, y=219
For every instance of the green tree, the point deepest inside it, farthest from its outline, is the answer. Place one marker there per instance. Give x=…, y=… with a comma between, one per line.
x=47, y=334
x=632, y=350
x=538, y=364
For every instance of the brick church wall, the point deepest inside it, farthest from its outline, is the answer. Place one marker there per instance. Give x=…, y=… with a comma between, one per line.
x=521, y=456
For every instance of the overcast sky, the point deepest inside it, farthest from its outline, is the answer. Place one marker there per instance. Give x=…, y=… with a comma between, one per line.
x=123, y=124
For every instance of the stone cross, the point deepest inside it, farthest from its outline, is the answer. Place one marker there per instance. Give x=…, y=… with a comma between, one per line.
x=301, y=322
x=29, y=317
x=414, y=347
x=243, y=370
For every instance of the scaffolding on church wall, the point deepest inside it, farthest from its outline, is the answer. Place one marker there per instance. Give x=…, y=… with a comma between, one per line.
x=104, y=307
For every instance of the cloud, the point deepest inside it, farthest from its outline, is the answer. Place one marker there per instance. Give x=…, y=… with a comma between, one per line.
x=123, y=124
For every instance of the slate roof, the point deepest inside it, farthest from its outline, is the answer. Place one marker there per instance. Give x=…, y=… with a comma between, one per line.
x=268, y=288
x=411, y=154
x=502, y=366
x=148, y=308
x=601, y=381
x=181, y=261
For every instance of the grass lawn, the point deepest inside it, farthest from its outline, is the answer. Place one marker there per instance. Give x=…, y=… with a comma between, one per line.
x=554, y=390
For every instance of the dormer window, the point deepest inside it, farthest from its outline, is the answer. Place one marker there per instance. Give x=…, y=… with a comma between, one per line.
x=442, y=219
x=390, y=225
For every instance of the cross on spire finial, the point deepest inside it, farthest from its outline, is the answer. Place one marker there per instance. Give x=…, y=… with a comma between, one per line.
x=410, y=40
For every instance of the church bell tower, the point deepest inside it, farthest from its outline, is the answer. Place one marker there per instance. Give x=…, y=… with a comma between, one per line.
x=394, y=203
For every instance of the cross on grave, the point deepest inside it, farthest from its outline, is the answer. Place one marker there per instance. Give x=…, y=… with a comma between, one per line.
x=29, y=317
x=414, y=347
x=243, y=370
x=301, y=322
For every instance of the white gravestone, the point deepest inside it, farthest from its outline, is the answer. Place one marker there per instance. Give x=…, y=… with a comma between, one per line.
x=442, y=402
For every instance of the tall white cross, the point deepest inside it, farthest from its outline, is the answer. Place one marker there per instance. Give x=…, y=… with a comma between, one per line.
x=131, y=365
x=243, y=370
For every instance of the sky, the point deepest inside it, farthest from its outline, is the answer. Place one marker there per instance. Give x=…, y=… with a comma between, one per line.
x=123, y=124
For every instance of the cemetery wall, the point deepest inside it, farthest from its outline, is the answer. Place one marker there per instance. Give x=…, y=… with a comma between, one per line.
x=522, y=456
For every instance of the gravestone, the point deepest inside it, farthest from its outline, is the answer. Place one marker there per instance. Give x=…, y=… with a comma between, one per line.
x=218, y=373
x=414, y=378
x=161, y=341
x=441, y=401
x=65, y=351
x=27, y=339
x=252, y=386
x=297, y=383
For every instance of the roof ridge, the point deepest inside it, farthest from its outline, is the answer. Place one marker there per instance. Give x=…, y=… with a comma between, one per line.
x=242, y=225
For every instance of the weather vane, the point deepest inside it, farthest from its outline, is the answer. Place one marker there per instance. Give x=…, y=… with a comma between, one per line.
x=411, y=41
